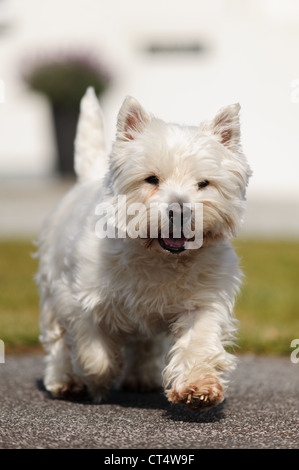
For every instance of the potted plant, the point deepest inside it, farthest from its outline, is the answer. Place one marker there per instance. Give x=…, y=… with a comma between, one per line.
x=64, y=80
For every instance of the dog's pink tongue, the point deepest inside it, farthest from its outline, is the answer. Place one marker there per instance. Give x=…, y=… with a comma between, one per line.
x=175, y=242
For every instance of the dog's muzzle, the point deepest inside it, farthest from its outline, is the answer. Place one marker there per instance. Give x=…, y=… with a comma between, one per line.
x=179, y=217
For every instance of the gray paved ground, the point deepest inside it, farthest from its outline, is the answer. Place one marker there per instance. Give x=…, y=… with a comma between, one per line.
x=261, y=411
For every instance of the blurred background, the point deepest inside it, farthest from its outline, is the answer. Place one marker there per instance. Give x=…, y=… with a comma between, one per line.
x=183, y=60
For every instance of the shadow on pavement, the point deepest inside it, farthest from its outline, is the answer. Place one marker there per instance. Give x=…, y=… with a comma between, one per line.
x=146, y=400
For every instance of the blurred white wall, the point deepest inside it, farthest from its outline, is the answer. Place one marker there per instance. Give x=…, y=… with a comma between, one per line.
x=251, y=57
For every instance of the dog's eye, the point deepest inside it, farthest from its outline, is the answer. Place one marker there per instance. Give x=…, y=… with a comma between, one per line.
x=152, y=180
x=203, y=184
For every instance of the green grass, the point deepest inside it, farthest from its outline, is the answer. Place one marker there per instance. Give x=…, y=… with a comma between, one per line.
x=269, y=302
x=267, y=307
x=19, y=300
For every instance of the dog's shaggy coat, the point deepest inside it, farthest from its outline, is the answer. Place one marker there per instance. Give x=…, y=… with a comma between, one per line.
x=110, y=306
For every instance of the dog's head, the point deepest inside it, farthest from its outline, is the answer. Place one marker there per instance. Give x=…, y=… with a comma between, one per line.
x=171, y=175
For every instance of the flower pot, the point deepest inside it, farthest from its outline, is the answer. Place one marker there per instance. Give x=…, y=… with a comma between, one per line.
x=65, y=122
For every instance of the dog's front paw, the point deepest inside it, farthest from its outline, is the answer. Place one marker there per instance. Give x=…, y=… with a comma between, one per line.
x=202, y=393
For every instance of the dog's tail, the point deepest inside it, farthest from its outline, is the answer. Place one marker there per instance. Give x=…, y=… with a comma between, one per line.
x=90, y=161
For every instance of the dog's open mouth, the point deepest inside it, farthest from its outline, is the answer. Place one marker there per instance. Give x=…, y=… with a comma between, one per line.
x=174, y=245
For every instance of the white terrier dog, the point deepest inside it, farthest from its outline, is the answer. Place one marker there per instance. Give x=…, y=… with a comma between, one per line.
x=109, y=303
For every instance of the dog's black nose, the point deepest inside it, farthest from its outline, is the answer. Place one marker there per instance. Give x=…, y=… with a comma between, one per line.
x=178, y=214
x=175, y=211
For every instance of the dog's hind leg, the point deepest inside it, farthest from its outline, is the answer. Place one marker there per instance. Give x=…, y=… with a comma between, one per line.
x=144, y=363
x=59, y=379
x=96, y=356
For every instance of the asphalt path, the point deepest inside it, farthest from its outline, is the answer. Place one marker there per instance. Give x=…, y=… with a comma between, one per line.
x=261, y=410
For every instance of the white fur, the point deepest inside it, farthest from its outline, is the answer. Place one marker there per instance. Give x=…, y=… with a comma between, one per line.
x=100, y=297
x=90, y=159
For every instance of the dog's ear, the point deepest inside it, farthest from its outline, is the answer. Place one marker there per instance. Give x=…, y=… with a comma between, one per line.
x=226, y=125
x=132, y=119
